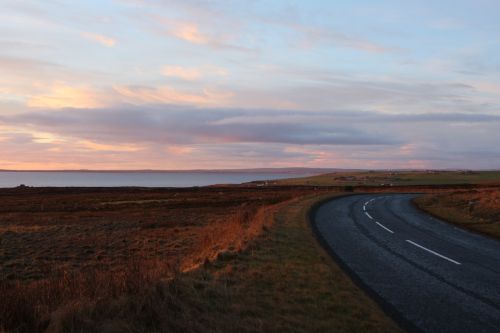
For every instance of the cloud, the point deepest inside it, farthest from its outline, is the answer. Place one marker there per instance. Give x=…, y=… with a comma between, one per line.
x=487, y=87
x=192, y=73
x=175, y=136
x=188, y=74
x=209, y=24
x=322, y=91
x=65, y=96
x=313, y=35
x=183, y=125
x=94, y=146
x=190, y=33
x=217, y=38
x=383, y=106
x=23, y=150
x=23, y=65
x=179, y=150
x=41, y=83
x=62, y=95
x=186, y=126
x=169, y=95
x=101, y=39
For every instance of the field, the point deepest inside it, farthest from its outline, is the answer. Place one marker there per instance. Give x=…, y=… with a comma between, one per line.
x=281, y=281
x=212, y=259
x=59, y=246
x=397, y=178
x=79, y=229
x=478, y=210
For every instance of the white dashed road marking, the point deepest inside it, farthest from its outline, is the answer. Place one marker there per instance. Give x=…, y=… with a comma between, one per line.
x=433, y=252
x=378, y=223
x=384, y=227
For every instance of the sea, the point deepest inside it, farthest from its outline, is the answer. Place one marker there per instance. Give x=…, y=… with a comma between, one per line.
x=139, y=179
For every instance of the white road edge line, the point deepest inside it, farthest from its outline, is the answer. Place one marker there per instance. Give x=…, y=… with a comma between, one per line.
x=366, y=213
x=434, y=253
x=383, y=226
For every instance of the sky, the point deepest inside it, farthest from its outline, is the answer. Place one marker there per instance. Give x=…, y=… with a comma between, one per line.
x=187, y=84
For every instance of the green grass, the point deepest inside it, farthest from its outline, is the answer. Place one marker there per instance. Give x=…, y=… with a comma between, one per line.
x=377, y=178
x=283, y=282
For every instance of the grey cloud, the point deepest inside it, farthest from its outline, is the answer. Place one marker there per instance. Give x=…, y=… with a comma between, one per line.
x=191, y=126
x=25, y=65
x=438, y=117
x=440, y=140
x=250, y=151
x=17, y=45
x=484, y=65
x=320, y=91
x=18, y=138
x=317, y=35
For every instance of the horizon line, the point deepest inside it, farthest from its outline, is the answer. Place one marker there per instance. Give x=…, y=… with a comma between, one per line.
x=283, y=169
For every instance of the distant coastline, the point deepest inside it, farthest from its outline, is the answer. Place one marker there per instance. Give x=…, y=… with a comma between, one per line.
x=296, y=170
x=146, y=178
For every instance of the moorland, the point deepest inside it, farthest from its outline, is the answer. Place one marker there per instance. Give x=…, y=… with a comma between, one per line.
x=212, y=259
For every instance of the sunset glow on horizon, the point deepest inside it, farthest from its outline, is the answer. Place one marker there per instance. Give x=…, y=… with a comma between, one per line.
x=171, y=84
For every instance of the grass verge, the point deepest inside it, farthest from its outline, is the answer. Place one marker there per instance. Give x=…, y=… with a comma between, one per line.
x=282, y=282
x=477, y=210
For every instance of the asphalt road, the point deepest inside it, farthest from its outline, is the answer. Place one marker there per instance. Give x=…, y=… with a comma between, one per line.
x=430, y=275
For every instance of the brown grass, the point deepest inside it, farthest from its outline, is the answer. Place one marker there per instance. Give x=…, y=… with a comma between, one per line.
x=48, y=231
x=61, y=248
x=123, y=260
x=477, y=210
x=282, y=282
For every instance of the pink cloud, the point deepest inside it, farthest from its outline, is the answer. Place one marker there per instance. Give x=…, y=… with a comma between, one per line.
x=101, y=39
x=62, y=95
x=169, y=95
x=188, y=74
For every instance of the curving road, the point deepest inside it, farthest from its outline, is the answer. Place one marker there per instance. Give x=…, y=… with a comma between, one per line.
x=430, y=275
